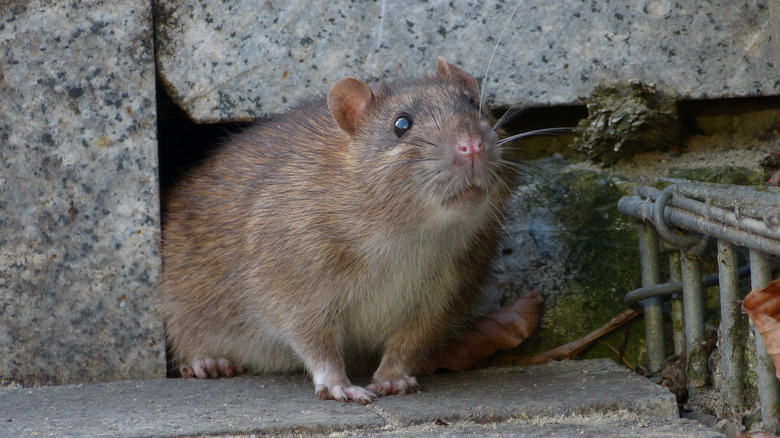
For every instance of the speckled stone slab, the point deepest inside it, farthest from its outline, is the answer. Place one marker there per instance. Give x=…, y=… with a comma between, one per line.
x=549, y=390
x=563, y=399
x=238, y=60
x=79, y=215
x=267, y=406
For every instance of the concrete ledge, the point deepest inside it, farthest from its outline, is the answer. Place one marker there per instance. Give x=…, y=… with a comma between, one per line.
x=620, y=424
x=224, y=61
x=562, y=388
x=519, y=401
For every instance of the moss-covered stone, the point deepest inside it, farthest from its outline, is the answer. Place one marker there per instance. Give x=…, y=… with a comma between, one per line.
x=592, y=257
x=584, y=258
x=626, y=119
x=744, y=176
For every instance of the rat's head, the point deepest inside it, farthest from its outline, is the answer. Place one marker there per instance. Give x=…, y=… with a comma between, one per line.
x=424, y=145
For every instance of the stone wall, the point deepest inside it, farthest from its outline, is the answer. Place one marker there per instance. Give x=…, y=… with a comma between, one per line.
x=79, y=196
x=240, y=61
x=79, y=203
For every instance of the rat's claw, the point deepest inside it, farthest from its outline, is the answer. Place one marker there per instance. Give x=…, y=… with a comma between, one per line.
x=205, y=368
x=401, y=386
x=209, y=368
x=344, y=393
x=186, y=371
x=224, y=367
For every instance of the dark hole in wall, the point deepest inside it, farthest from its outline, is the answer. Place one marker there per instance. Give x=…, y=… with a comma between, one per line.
x=756, y=116
x=182, y=143
x=535, y=118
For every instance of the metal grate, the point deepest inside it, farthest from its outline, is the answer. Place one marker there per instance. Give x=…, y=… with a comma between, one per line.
x=735, y=217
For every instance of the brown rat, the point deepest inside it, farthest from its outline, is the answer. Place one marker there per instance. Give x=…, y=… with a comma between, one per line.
x=355, y=225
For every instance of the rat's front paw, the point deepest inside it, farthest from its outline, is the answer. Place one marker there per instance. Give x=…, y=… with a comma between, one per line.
x=401, y=386
x=344, y=393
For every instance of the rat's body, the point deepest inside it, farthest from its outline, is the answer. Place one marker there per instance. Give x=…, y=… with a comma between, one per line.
x=342, y=229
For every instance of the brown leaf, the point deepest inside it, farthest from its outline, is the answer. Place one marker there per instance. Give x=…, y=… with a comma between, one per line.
x=500, y=330
x=674, y=377
x=763, y=308
x=774, y=180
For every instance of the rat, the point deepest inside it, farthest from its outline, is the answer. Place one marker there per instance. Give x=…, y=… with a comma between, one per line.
x=357, y=225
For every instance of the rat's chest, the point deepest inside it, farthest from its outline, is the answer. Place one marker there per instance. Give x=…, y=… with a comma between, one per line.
x=410, y=280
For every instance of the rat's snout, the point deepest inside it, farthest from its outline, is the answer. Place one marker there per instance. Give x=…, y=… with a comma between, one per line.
x=470, y=147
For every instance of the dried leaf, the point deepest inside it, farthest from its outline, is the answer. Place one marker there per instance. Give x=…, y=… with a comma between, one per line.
x=763, y=308
x=674, y=377
x=500, y=330
x=774, y=180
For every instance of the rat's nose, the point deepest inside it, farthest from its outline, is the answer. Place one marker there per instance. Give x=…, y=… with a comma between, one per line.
x=470, y=147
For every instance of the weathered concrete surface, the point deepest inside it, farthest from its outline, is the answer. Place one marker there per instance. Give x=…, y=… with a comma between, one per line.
x=619, y=424
x=592, y=396
x=239, y=60
x=175, y=407
x=79, y=207
x=564, y=388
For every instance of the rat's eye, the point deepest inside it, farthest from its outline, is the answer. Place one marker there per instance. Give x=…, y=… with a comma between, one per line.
x=402, y=124
x=473, y=103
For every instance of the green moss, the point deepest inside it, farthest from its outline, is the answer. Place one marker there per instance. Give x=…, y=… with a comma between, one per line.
x=571, y=313
x=600, y=263
x=751, y=371
x=696, y=366
x=601, y=243
x=568, y=318
x=712, y=305
x=723, y=175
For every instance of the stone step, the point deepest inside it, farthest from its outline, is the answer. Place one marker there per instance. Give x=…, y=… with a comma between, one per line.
x=592, y=397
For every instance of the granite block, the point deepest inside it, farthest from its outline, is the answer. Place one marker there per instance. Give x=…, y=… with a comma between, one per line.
x=79, y=202
x=239, y=60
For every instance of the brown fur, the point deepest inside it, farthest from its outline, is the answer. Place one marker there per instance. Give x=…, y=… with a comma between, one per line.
x=300, y=244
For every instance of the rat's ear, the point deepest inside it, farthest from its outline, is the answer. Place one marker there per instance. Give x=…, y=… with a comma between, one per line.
x=447, y=70
x=347, y=101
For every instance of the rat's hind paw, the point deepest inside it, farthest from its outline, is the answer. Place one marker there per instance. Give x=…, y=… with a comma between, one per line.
x=209, y=368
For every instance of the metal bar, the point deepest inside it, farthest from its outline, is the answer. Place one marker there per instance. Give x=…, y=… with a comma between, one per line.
x=678, y=320
x=728, y=195
x=674, y=287
x=768, y=387
x=732, y=333
x=706, y=188
x=693, y=303
x=654, y=316
x=736, y=216
x=739, y=218
x=642, y=209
